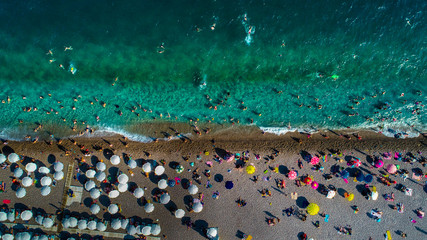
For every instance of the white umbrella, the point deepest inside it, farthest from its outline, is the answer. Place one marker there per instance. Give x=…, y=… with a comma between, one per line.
x=116, y=224
x=131, y=229
x=7, y=236
x=26, y=215
x=91, y=225
x=95, y=193
x=331, y=194
x=100, y=176
x=165, y=198
x=123, y=178
x=21, y=192
x=146, y=167
x=100, y=226
x=374, y=195
x=94, y=208
x=18, y=172
x=66, y=222
x=122, y=187
x=149, y=207
x=42, y=237
x=159, y=170
x=139, y=229
x=162, y=184
x=132, y=164
x=44, y=170
x=114, y=194
x=39, y=219
x=90, y=173
x=138, y=192
x=113, y=208
x=58, y=166
x=31, y=167
x=197, y=207
x=179, y=213
x=155, y=229
x=100, y=166
x=2, y=158
x=212, y=232
x=27, y=181
x=125, y=223
x=3, y=216
x=23, y=236
x=48, y=222
x=73, y=222
x=58, y=175
x=45, y=190
x=115, y=160
x=46, y=181
x=193, y=189
x=11, y=216
x=82, y=224
x=13, y=157
x=89, y=185
x=146, y=231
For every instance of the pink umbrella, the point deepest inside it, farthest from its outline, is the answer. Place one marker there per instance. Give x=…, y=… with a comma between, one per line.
x=314, y=185
x=314, y=160
x=292, y=175
x=379, y=163
x=391, y=168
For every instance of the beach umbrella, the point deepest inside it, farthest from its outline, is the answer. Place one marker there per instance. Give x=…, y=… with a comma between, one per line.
x=100, y=176
x=73, y=222
x=13, y=157
x=391, y=168
x=312, y=209
x=139, y=229
x=360, y=177
x=374, y=195
x=100, y=226
x=66, y=222
x=100, y=166
x=155, y=229
x=179, y=169
x=89, y=185
x=146, y=231
x=345, y=174
x=125, y=223
x=23, y=236
x=82, y=224
x=27, y=181
x=45, y=190
x=2, y=158
x=90, y=173
x=42, y=237
x=39, y=219
x=229, y=185
x=193, y=189
x=58, y=166
x=159, y=170
x=91, y=225
x=113, y=208
x=21, y=192
x=18, y=172
x=122, y=187
x=48, y=222
x=58, y=175
x=307, y=180
x=94, y=208
x=350, y=197
x=132, y=164
x=123, y=178
x=7, y=236
x=116, y=224
x=115, y=160
x=26, y=215
x=314, y=160
x=369, y=178
x=179, y=213
x=113, y=194
x=95, y=193
x=250, y=169
x=11, y=216
x=146, y=167
x=138, y=192
x=379, y=163
x=165, y=198
x=197, y=207
x=212, y=232
x=171, y=183
x=31, y=167
x=131, y=230
x=162, y=184
x=149, y=207
x=314, y=185
x=3, y=216
x=46, y=181
x=44, y=170
x=292, y=175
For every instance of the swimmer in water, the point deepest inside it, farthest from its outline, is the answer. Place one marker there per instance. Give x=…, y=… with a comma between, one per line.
x=70, y=48
x=50, y=52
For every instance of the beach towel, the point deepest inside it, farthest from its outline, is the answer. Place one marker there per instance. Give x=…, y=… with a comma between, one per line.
x=408, y=191
x=327, y=218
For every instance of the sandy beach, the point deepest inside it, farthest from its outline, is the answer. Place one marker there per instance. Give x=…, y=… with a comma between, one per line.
x=234, y=221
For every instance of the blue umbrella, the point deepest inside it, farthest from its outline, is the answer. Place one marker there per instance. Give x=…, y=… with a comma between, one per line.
x=369, y=178
x=229, y=184
x=171, y=183
x=345, y=174
x=360, y=177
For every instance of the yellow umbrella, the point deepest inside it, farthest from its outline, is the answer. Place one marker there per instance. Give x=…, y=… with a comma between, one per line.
x=350, y=197
x=313, y=209
x=250, y=169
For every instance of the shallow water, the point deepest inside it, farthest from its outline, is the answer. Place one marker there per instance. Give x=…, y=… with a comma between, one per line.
x=295, y=50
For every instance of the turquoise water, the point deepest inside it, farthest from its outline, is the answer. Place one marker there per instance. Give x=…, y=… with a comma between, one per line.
x=167, y=59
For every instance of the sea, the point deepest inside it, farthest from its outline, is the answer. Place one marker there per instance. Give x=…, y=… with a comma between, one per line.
x=280, y=65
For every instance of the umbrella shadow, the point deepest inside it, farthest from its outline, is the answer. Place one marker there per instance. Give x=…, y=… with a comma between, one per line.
x=139, y=162
x=221, y=152
x=108, y=153
x=20, y=206
x=7, y=150
x=185, y=183
x=173, y=164
x=88, y=201
x=171, y=206
x=104, y=200
x=302, y=202
x=188, y=199
x=283, y=170
x=305, y=155
x=94, y=160
x=300, y=235
x=51, y=158
x=218, y=178
x=201, y=226
x=270, y=214
x=341, y=192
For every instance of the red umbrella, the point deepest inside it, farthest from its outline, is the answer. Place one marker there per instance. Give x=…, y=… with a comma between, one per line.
x=307, y=180
x=6, y=201
x=357, y=162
